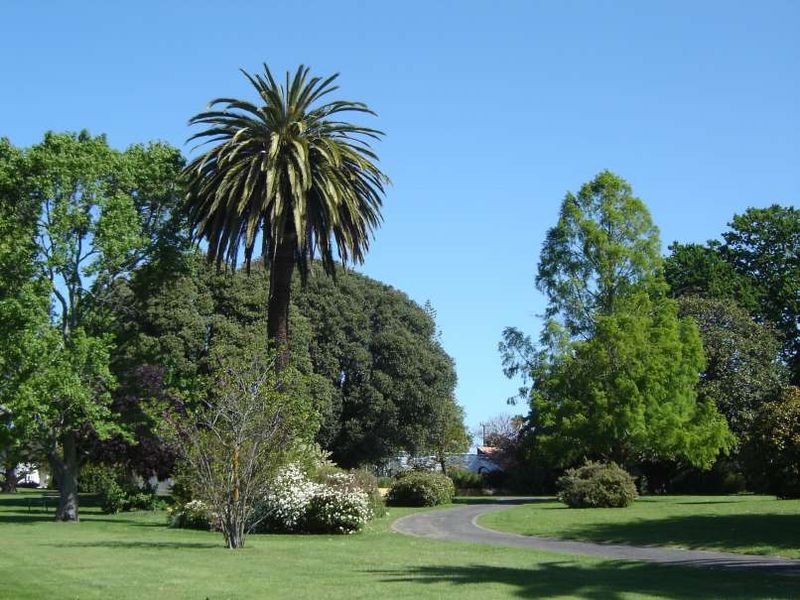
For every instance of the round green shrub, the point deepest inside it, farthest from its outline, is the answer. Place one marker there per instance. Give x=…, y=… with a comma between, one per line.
x=597, y=485
x=420, y=488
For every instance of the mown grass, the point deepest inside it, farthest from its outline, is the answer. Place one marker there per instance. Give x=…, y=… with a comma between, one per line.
x=744, y=524
x=131, y=556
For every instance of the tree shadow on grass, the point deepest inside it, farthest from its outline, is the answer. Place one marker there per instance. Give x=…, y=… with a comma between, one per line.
x=501, y=500
x=606, y=581
x=25, y=518
x=127, y=522
x=141, y=545
x=756, y=533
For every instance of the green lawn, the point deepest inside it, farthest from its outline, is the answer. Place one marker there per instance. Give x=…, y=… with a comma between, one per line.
x=134, y=556
x=746, y=524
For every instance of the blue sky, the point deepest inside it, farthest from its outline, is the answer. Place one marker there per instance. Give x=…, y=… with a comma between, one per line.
x=493, y=110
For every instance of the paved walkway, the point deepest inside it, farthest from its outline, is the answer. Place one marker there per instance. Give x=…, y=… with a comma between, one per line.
x=460, y=524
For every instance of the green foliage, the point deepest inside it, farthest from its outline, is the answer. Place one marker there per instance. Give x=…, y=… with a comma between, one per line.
x=628, y=394
x=232, y=446
x=597, y=485
x=775, y=448
x=90, y=215
x=448, y=433
x=421, y=488
x=603, y=249
x=697, y=270
x=466, y=480
x=764, y=245
x=742, y=360
x=615, y=373
x=391, y=383
x=369, y=356
x=757, y=266
x=116, y=491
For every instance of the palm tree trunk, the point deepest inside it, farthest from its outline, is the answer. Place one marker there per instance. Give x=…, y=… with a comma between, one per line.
x=280, y=285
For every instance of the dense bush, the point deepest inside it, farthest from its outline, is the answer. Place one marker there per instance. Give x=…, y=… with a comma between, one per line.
x=596, y=485
x=194, y=514
x=466, y=480
x=420, y=488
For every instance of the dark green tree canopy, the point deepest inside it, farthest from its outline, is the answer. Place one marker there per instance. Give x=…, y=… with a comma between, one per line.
x=757, y=266
x=698, y=270
x=743, y=370
x=764, y=244
x=378, y=372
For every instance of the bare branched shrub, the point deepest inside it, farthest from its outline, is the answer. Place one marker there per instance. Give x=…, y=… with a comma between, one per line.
x=232, y=446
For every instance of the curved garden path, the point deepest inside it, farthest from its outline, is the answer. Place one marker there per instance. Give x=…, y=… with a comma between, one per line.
x=460, y=524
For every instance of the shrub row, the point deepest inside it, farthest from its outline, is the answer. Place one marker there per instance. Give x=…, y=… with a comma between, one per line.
x=336, y=502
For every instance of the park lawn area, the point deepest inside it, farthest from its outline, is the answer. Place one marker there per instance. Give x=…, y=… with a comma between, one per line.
x=745, y=524
x=133, y=555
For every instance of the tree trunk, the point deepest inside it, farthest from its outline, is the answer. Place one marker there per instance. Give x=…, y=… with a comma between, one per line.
x=68, y=481
x=10, y=483
x=280, y=284
x=233, y=530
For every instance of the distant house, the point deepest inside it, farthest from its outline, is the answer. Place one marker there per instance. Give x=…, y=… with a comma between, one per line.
x=478, y=462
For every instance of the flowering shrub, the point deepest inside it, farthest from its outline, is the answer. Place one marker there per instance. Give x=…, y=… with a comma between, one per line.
x=334, y=510
x=418, y=488
x=193, y=515
x=336, y=504
x=285, y=506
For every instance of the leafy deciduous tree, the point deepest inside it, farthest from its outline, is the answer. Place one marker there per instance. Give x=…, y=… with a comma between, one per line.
x=615, y=372
x=99, y=214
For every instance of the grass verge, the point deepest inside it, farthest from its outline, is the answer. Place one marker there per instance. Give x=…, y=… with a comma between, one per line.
x=743, y=524
x=133, y=555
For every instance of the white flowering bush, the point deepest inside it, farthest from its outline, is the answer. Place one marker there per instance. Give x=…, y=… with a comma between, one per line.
x=286, y=504
x=334, y=510
x=195, y=514
x=296, y=504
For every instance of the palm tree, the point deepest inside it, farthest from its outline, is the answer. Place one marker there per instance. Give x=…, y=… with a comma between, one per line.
x=285, y=168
